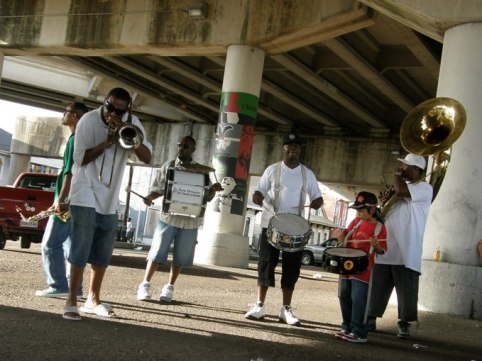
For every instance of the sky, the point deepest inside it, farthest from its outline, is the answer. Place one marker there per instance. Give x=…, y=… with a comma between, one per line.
x=12, y=110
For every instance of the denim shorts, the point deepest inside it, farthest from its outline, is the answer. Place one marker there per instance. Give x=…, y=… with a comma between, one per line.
x=92, y=237
x=185, y=241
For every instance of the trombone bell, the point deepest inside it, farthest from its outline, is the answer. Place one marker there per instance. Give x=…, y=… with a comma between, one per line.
x=129, y=136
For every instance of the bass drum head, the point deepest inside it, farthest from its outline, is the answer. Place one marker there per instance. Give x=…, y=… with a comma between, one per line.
x=345, y=252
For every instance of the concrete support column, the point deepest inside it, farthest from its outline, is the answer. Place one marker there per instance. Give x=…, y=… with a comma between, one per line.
x=18, y=163
x=221, y=242
x=454, y=284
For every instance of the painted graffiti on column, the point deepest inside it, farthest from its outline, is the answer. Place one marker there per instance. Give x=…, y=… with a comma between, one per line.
x=234, y=141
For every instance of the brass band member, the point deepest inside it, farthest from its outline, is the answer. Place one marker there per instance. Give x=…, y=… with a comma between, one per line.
x=94, y=199
x=181, y=230
x=400, y=266
x=56, y=238
x=292, y=192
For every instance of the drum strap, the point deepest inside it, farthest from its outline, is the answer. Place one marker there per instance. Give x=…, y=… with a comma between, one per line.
x=277, y=180
x=348, y=235
x=376, y=232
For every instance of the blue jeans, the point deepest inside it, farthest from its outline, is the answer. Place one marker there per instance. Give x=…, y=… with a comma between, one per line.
x=185, y=241
x=93, y=237
x=55, y=249
x=353, y=295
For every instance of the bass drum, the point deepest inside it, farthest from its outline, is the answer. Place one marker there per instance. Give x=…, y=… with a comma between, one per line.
x=345, y=261
x=288, y=232
x=186, y=193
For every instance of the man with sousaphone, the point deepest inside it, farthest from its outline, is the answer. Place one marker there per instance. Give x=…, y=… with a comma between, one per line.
x=400, y=266
x=283, y=187
x=56, y=239
x=429, y=129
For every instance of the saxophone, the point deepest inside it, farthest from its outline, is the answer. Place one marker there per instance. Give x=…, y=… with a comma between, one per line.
x=64, y=216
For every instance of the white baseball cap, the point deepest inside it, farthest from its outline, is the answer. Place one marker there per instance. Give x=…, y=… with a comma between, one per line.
x=416, y=160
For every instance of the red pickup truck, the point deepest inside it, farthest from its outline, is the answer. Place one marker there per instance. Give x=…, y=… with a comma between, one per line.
x=30, y=194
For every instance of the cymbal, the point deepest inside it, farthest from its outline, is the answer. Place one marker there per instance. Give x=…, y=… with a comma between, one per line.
x=197, y=168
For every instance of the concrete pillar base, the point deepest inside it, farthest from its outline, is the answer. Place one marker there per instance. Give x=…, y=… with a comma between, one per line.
x=222, y=249
x=458, y=289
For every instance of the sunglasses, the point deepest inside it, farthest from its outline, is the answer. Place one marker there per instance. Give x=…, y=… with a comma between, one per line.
x=112, y=109
x=183, y=146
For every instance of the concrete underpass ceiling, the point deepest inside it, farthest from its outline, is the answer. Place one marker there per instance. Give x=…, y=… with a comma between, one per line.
x=359, y=84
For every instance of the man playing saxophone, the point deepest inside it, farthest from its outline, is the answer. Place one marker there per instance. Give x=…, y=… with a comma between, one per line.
x=400, y=266
x=56, y=240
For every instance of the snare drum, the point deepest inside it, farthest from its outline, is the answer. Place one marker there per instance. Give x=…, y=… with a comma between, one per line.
x=288, y=232
x=345, y=261
x=185, y=193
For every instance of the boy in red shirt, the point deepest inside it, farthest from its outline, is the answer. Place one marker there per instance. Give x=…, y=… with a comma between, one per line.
x=367, y=233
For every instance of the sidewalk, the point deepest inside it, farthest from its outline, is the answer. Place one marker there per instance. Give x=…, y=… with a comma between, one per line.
x=206, y=319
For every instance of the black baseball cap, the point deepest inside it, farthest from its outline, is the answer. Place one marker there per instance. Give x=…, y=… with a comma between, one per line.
x=364, y=199
x=293, y=138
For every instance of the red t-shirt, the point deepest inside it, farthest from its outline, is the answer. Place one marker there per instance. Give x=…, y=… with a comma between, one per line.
x=363, y=232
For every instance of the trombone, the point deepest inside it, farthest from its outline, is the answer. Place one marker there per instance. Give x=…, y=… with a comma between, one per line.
x=127, y=136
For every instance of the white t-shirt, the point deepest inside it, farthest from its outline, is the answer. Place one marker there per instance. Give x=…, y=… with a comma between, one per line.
x=405, y=227
x=86, y=189
x=291, y=184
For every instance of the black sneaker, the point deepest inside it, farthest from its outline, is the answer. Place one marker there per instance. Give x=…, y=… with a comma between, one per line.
x=403, y=330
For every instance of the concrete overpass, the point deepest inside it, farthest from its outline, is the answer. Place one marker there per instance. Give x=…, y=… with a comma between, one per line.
x=339, y=72
x=342, y=73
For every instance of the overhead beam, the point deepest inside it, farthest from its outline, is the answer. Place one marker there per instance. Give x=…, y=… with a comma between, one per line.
x=328, y=89
x=164, y=83
x=211, y=84
x=294, y=102
x=368, y=72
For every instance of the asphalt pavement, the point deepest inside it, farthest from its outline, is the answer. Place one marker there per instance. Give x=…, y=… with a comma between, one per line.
x=206, y=320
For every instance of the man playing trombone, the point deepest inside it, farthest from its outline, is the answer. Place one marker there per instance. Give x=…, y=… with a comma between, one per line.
x=99, y=167
x=56, y=241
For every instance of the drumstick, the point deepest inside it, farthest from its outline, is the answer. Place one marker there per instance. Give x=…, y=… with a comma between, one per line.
x=137, y=194
x=364, y=240
x=270, y=211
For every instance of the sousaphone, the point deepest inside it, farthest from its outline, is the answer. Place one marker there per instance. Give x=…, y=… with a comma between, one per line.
x=430, y=129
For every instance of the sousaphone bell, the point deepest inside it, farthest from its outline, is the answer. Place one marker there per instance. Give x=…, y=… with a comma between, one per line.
x=430, y=129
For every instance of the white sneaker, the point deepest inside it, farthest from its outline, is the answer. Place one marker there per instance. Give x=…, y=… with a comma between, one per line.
x=287, y=316
x=51, y=292
x=144, y=291
x=166, y=293
x=256, y=312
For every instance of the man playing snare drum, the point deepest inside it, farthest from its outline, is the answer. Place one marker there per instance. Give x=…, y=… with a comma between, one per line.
x=180, y=229
x=283, y=188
